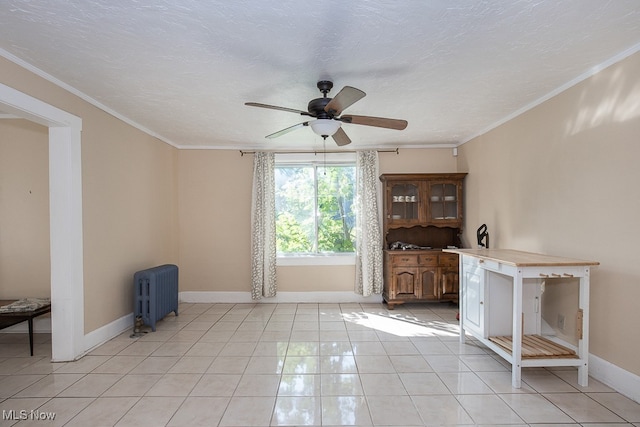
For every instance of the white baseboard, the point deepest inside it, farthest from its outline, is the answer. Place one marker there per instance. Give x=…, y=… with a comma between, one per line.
x=343, y=297
x=103, y=334
x=615, y=377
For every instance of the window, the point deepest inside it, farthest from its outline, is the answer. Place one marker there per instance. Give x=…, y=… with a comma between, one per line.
x=314, y=207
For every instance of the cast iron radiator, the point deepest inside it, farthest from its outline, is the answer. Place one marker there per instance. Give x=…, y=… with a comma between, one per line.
x=155, y=293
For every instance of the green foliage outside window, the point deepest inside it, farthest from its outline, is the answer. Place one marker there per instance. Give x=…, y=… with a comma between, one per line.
x=314, y=209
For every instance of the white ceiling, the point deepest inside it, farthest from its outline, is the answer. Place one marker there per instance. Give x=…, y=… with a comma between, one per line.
x=183, y=69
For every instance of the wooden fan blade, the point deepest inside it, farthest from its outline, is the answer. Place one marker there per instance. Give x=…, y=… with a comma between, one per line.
x=346, y=97
x=274, y=107
x=341, y=138
x=287, y=130
x=380, y=122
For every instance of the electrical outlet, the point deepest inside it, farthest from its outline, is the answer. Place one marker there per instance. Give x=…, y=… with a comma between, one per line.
x=560, y=321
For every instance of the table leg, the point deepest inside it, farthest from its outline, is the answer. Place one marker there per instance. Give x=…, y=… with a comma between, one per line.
x=461, y=298
x=31, y=335
x=583, y=339
x=516, y=350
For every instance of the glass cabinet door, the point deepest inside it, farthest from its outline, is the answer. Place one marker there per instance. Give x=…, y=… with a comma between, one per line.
x=443, y=201
x=404, y=202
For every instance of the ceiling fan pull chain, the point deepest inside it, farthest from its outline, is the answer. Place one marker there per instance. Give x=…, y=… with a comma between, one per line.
x=324, y=149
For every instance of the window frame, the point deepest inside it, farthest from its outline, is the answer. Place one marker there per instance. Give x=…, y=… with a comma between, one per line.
x=316, y=159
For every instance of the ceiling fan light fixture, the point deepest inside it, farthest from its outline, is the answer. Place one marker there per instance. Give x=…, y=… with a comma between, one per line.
x=325, y=127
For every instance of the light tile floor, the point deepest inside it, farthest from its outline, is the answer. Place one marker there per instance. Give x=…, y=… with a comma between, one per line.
x=295, y=364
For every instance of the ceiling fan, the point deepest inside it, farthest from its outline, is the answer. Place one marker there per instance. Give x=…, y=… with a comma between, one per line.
x=327, y=113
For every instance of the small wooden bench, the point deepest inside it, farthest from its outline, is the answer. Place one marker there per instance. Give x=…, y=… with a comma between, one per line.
x=13, y=318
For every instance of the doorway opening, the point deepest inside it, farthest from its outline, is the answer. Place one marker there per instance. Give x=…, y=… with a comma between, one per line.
x=65, y=217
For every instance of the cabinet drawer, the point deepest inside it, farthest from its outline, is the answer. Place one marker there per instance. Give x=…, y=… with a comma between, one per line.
x=428, y=260
x=449, y=260
x=410, y=260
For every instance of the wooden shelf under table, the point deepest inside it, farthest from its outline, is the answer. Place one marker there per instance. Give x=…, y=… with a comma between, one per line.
x=536, y=347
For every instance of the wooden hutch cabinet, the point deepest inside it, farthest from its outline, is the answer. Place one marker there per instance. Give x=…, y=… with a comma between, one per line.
x=422, y=216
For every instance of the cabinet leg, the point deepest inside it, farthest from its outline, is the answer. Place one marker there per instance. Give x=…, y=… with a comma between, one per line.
x=391, y=305
x=387, y=303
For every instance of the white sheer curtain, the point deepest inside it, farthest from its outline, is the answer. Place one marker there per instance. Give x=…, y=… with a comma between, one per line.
x=369, y=276
x=263, y=227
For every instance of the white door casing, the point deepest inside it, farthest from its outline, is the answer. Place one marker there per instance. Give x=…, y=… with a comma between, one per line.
x=65, y=213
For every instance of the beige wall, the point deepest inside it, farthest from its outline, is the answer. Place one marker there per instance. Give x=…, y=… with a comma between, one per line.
x=215, y=220
x=436, y=160
x=129, y=192
x=129, y=213
x=25, y=269
x=214, y=216
x=562, y=179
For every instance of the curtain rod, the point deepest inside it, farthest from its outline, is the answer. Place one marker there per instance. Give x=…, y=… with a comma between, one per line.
x=397, y=151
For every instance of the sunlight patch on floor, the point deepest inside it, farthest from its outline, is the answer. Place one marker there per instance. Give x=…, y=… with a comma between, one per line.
x=403, y=326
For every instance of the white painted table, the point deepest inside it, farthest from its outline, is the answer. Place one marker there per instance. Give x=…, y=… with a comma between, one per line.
x=500, y=306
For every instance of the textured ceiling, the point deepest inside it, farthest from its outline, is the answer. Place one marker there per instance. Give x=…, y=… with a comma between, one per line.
x=183, y=69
